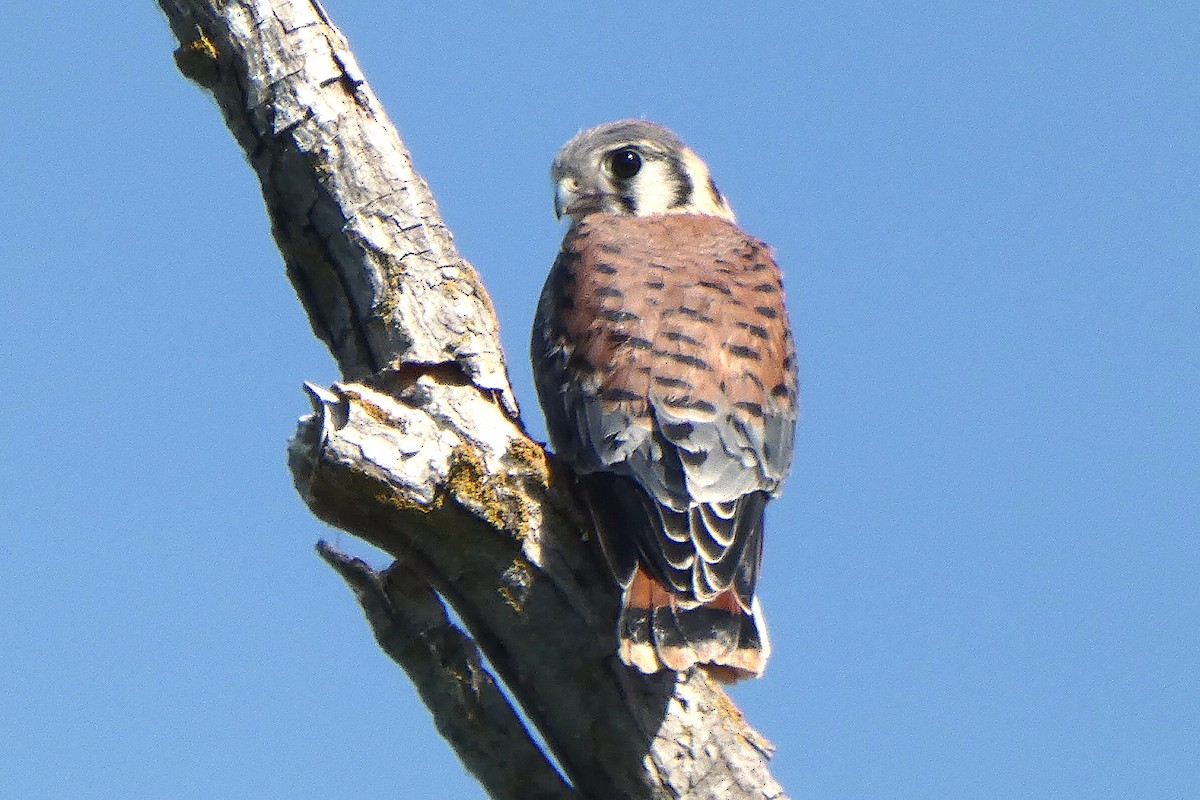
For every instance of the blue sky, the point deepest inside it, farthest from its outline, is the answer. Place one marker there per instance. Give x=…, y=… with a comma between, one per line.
x=982, y=578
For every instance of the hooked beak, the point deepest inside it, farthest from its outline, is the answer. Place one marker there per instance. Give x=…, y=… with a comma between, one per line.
x=563, y=197
x=570, y=202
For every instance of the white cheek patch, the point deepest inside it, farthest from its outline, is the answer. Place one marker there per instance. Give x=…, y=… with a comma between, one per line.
x=654, y=190
x=705, y=198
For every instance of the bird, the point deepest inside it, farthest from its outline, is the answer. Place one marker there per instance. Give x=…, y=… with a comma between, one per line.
x=665, y=366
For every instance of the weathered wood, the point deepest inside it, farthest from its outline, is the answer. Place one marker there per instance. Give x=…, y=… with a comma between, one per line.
x=359, y=231
x=412, y=627
x=420, y=451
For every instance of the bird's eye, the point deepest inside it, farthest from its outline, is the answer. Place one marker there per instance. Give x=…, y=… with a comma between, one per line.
x=624, y=163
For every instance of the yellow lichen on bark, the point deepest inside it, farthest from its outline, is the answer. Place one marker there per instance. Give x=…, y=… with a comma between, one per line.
x=469, y=482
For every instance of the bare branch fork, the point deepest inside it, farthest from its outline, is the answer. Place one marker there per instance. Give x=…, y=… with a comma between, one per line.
x=420, y=450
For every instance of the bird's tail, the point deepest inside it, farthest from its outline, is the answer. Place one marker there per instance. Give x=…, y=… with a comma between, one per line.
x=658, y=630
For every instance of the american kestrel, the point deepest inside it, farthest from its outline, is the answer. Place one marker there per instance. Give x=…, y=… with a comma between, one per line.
x=667, y=373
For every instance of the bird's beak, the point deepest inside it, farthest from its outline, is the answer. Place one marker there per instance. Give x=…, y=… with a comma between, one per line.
x=569, y=201
x=563, y=197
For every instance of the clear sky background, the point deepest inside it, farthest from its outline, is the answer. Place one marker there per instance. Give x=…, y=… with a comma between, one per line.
x=982, y=580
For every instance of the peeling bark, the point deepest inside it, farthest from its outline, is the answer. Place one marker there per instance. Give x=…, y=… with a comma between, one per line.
x=421, y=453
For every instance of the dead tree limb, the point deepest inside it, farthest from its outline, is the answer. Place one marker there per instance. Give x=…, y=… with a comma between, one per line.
x=421, y=452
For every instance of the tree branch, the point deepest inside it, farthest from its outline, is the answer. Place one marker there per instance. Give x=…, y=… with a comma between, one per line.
x=421, y=452
x=359, y=231
x=468, y=708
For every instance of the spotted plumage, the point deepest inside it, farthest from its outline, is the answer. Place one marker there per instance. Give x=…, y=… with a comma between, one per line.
x=665, y=366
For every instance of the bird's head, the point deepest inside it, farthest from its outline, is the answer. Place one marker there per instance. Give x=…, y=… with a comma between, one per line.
x=633, y=168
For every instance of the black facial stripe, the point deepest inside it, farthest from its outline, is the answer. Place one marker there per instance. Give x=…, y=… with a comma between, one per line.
x=712, y=185
x=683, y=183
